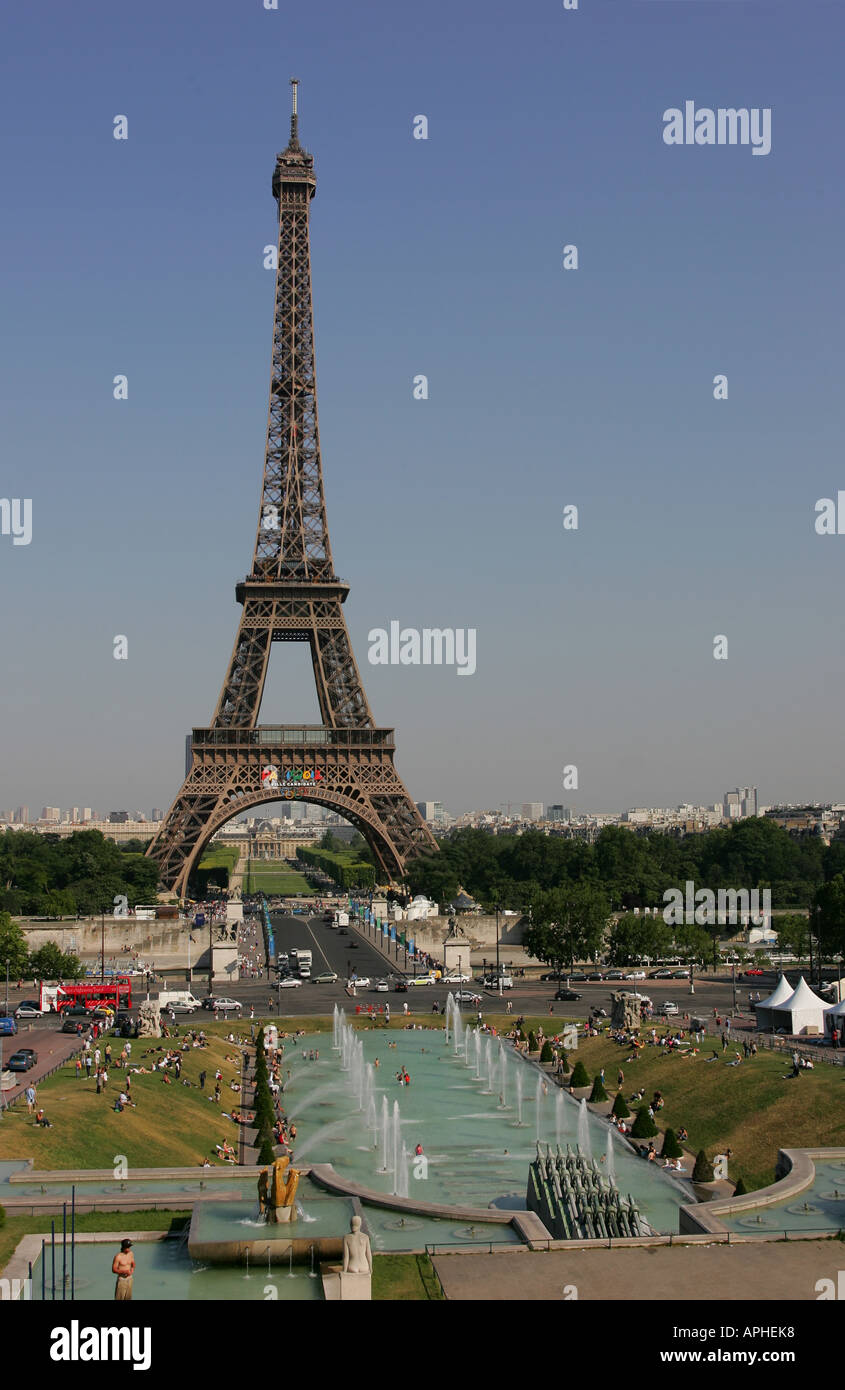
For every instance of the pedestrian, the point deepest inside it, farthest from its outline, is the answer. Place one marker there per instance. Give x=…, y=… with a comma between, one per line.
x=78, y=1068
x=30, y=1095
x=88, y=1065
x=123, y=1265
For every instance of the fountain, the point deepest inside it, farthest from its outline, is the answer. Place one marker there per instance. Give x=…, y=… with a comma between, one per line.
x=611, y=1163
x=397, y=1140
x=541, y=1090
x=477, y=1046
x=519, y=1096
x=584, y=1130
x=559, y=1104
x=456, y=1027
x=385, y=1137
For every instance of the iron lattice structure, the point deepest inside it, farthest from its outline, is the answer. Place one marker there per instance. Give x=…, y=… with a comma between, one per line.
x=292, y=594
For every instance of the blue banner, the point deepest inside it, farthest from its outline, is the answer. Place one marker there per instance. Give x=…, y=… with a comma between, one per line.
x=392, y=932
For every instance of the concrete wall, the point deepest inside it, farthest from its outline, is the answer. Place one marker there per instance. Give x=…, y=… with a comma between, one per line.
x=431, y=931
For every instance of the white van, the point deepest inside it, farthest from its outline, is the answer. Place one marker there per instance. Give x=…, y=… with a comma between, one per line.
x=182, y=997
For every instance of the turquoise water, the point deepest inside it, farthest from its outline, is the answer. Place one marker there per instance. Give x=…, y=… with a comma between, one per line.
x=477, y=1150
x=818, y=1208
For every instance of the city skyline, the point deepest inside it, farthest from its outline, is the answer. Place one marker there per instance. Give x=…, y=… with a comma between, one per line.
x=549, y=387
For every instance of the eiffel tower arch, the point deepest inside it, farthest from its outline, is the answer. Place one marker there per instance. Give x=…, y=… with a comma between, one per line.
x=292, y=594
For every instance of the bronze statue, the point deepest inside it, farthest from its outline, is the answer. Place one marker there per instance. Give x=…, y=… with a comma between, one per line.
x=277, y=1190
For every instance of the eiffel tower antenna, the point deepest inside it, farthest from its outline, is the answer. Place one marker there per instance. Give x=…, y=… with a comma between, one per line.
x=292, y=594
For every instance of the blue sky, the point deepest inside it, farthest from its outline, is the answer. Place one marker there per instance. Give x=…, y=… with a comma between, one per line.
x=547, y=387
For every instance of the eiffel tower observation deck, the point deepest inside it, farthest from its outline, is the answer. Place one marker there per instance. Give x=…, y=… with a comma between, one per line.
x=292, y=594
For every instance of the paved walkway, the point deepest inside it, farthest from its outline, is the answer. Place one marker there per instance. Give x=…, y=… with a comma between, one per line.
x=783, y=1271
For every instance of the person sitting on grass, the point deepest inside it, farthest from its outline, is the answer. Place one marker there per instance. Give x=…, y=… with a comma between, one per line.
x=41, y=1120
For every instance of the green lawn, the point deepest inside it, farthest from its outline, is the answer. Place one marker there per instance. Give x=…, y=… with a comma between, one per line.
x=397, y=1278
x=173, y=1126
x=262, y=876
x=750, y=1108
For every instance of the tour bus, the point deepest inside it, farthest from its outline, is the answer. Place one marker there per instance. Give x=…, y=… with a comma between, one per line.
x=116, y=993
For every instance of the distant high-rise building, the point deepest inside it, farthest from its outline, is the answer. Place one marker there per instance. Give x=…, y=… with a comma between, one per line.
x=22, y=815
x=118, y=817
x=156, y=814
x=739, y=803
x=532, y=810
x=559, y=813
x=74, y=815
x=51, y=813
x=87, y=813
x=431, y=811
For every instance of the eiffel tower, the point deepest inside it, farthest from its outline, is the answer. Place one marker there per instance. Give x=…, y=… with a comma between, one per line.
x=292, y=595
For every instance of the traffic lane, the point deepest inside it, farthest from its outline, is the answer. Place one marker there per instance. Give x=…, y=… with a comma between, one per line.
x=52, y=1045
x=331, y=951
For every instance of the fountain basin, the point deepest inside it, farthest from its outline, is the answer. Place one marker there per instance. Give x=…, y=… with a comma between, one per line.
x=227, y=1233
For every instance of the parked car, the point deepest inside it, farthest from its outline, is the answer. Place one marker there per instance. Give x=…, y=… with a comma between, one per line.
x=578, y=975
x=179, y=1006
x=635, y=975
x=456, y=979
x=660, y=975
x=8, y=1025
x=596, y=978
x=223, y=1006
x=289, y=982
x=568, y=996
x=23, y=1060
x=670, y=1009
x=466, y=996
x=328, y=977
x=614, y=975
x=748, y=973
x=550, y=975
x=28, y=1009
x=400, y=987
x=75, y=1025
x=680, y=974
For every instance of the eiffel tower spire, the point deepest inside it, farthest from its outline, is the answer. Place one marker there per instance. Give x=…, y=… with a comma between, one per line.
x=292, y=594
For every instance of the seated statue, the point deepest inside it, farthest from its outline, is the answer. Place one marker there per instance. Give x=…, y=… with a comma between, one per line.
x=357, y=1256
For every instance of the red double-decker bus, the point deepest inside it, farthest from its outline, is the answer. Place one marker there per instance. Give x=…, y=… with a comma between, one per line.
x=116, y=992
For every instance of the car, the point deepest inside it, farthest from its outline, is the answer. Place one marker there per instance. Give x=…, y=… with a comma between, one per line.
x=595, y=979
x=635, y=975
x=381, y=987
x=421, y=980
x=568, y=996
x=342, y=931
x=576, y=975
x=223, y=1006
x=28, y=1009
x=669, y=1009
x=454, y=978
x=466, y=996
x=660, y=975
x=328, y=977
x=23, y=1060
x=8, y=1025
x=400, y=987
x=551, y=975
x=749, y=973
x=358, y=982
x=614, y=975
x=75, y=1025
x=289, y=982
x=680, y=974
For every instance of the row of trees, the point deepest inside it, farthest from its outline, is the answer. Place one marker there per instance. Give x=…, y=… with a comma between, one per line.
x=631, y=869
x=343, y=867
x=52, y=876
x=49, y=962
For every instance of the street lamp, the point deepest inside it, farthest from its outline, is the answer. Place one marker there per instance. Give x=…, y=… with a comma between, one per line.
x=498, y=968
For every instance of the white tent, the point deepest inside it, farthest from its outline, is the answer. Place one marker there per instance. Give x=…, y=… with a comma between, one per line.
x=834, y=1017
x=782, y=991
x=803, y=1012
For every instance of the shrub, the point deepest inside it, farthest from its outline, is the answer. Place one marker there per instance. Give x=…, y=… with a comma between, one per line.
x=579, y=1075
x=546, y=1054
x=643, y=1126
x=532, y=1042
x=2, y=1216
x=671, y=1147
x=703, y=1170
x=598, y=1092
x=266, y=1153
x=740, y=1189
x=620, y=1107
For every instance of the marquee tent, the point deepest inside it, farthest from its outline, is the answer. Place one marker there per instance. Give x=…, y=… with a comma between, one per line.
x=803, y=1012
x=782, y=991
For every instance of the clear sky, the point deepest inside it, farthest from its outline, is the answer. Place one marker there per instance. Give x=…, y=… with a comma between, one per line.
x=547, y=387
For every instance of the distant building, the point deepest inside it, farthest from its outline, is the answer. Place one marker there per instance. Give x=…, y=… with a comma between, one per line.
x=559, y=813
x=432, y=812
x=532, y=810
x=156, y=814
x=118, y=817
x=51, y=813
x=739, y=803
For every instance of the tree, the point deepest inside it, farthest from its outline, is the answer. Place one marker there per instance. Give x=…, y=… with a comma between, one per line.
x=829, y=917
x=793, y=933
x=598, y=1092
x=546, y=1053
x=13, y=947
x=532, y=1042
x=330, y=841
x=635, y=937
x=703, y=1170
x=50, y=962
x=579, y=1075
x=567, y=923
x=620, y=1107
x=740, y=1189
x=266, y=1153
x=671, y=1147
x=643, y=1126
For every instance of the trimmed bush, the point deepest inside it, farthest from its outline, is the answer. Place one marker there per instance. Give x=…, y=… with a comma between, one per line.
x=598, y=1092
x=2, y=1216
x=546, y=1054
x=740, y=1189
x=620, y=1107
x=533, y=1045
x=579, y=1075
x=266, y=1153
x=643, y=1126
x=703, y=1170
x=671, y=1147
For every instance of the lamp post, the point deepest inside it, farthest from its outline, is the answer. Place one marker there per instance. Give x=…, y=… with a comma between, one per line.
x=498, y=968
x=102, y=945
